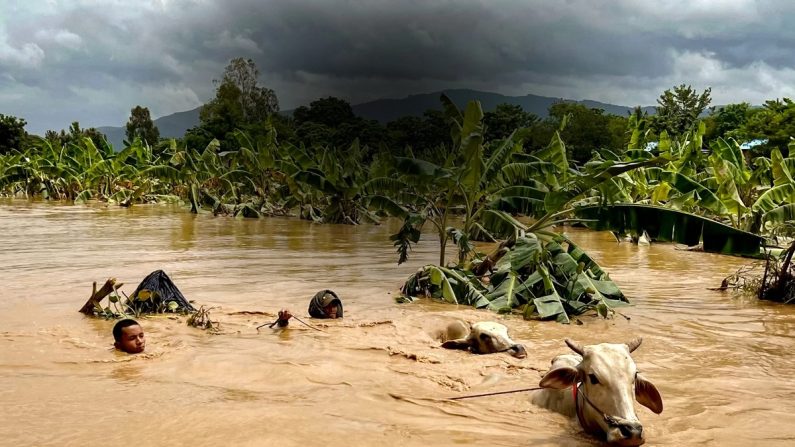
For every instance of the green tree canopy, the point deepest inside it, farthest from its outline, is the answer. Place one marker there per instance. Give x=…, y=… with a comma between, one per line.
x=140, y=125
x=679, y=108
x=505, y=119
x=424, y=135
x=328, y=111
x=775, y=121
x=239, y=99
x=12, y=133
x=729, y=120
x=587, y=129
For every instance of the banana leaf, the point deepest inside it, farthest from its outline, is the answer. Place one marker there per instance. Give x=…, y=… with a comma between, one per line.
x=684, y=184
x=669, y=225
x=506, y=294
x=774, y=197
x=499, y=224
x=781, y=174
x=555, y=153
x=524, y=253
x=465, y=290
x=780, y=214
x=556, y=200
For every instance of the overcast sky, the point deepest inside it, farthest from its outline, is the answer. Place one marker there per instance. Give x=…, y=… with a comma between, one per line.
x=92, y=61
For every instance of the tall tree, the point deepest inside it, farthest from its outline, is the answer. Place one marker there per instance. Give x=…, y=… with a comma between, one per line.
x=141, y=125
x=679, y=108
x=240, y=85
x=239, y=103
x=12, y=133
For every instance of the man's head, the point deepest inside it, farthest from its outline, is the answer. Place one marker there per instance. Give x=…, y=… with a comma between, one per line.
x=325, y=304
x=129, y=336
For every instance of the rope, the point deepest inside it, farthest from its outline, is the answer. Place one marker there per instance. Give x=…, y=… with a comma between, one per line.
x=270, y=325
x=495, y=393
x=307, y=324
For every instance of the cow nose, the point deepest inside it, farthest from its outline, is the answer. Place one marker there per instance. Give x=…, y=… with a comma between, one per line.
x=518, y=351
x=631, y=430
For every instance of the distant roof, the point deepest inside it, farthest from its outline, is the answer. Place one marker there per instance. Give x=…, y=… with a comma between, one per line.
x=753, y=143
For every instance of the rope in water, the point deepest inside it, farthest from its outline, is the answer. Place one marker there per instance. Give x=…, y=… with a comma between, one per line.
x=495, y=393
x=270, y=325
x=307, y=324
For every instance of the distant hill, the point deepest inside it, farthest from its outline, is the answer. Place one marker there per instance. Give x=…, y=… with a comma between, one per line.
x=385, y=110
x=170, y=126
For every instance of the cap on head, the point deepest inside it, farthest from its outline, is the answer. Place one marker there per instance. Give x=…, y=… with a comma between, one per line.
x=321, y=301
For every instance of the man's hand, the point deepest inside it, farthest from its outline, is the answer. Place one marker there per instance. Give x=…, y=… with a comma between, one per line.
x=284, y=317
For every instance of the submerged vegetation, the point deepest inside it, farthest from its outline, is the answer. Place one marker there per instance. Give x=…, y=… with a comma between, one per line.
x=504, y=177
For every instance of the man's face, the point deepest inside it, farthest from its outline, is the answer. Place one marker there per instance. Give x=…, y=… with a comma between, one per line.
x=132, y=339
x=331, y=310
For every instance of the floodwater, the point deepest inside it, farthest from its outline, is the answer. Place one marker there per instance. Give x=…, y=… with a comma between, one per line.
x=723, y=364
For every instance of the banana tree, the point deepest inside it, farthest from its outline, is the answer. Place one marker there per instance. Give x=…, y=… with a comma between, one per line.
x=343, y=183
x=459, y=190
x=202, y=177
x=530, y=269
x=775, y=205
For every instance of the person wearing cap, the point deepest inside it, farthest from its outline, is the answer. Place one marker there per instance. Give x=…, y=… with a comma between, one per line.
x=325, y=304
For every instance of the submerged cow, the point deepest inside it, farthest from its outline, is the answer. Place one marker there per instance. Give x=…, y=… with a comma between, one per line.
x=600, y=386
x=485, y=337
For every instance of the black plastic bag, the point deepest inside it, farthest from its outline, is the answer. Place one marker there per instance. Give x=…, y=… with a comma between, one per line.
x=161, y=291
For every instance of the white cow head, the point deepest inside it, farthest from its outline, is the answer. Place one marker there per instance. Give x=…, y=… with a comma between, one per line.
x=487, y=337
x=610, y=383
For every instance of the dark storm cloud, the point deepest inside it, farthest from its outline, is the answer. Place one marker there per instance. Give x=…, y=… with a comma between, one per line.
x=101, y=58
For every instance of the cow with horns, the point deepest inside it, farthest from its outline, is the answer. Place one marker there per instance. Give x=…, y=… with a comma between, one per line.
x=599, y=386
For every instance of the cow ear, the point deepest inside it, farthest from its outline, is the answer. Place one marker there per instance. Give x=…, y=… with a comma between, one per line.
x=647, y=395
x=560, y=378
x=461, y=343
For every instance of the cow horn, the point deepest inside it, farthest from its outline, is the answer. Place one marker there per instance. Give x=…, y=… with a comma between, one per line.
x=576, y=347
x=634, y=344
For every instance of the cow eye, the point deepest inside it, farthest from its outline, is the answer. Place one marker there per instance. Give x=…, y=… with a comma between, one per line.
x=593, y=379
x=485, y=337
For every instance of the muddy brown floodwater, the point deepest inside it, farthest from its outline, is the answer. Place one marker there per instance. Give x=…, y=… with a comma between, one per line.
x=723, y=364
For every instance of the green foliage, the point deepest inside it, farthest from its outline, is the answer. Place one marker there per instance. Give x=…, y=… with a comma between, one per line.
x=505, y=119
x=775, y=121
x=121, y=306
x=678, y=109
x=541, y=278
x=140, y=125
x=729, y=121
x=12, y=134
x=422, y=136
x=239, y=103
x=587, y=129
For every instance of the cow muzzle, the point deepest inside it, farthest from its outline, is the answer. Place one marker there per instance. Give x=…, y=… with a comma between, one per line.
x=623, y=432
x=518, y=351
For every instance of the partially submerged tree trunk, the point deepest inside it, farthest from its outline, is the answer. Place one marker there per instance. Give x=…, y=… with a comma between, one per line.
x=97, y=295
